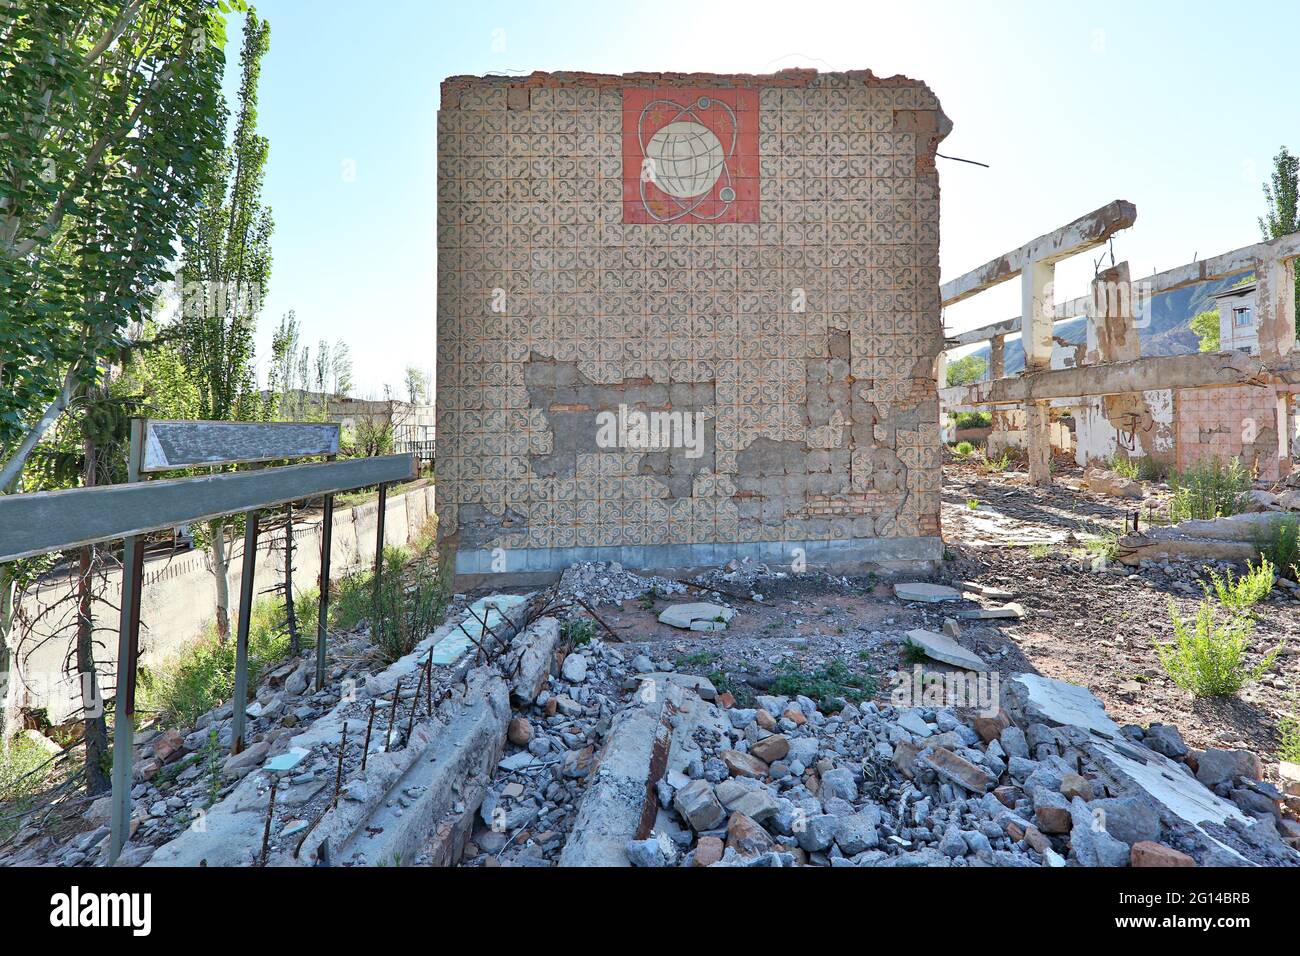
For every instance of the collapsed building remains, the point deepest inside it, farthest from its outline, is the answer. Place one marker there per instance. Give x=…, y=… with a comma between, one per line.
x=1176, y=409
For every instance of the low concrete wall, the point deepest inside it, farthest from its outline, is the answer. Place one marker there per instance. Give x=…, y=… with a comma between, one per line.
x=179, y=596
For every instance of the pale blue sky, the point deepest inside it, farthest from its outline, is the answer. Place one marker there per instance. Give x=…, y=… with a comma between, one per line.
x=1177, y=107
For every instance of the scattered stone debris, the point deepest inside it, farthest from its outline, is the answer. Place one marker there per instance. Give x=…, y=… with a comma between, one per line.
x=887, y=786
x=609, y=583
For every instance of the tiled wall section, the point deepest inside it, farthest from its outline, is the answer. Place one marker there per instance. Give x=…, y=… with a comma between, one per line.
x=807, y=339
x=1223, y=423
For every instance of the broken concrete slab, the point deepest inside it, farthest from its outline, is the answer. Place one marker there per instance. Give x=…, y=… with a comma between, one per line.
x=1219, y=539
x=613, y=806
x=942, y=648
x=1056, y=703
x=287, y=760
x=925, y=592
x=1125, y=768
x=1011, y=611
x=538, y=644
x=698, y=616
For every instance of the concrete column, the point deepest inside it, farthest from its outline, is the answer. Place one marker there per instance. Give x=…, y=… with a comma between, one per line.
x=1037, y=316
x=997, y=357
x=1285, y=427
x=947, y=427
x=1038, y=439
x=1275, y=310
x=997, y=370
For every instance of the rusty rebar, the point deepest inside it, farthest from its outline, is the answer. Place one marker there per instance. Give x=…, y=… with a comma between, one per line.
x=365, y=750
x=428, y=683
x=338, y=774
x=608, y=630
x=270, y=814
x=415, y=705
x=392, y=717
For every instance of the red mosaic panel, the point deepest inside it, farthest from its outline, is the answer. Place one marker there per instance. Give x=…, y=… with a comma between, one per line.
x=690, y=155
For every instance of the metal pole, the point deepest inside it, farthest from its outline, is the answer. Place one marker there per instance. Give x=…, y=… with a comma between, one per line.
x=323, y=608
x=128, y=650
x=240, y=699
x=379, y=535
x=128, y=646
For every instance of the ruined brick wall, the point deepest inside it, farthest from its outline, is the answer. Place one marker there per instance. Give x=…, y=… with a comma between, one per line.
x=1239, y=421
x=759, y=253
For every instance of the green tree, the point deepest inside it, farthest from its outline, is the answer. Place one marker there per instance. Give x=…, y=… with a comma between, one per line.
x=1206, y=327
x=110, y=117
x=1282, y=195
x=342, y=370
x=417, y=385
x=225, y=267
x=966, y=370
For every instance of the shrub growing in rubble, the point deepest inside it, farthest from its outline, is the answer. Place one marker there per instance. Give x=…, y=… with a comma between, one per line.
x=1209, y=490
x=1240, y=594
x=408, y=603
x=1208, y=658
x=1280, y=545
x=1288, y=733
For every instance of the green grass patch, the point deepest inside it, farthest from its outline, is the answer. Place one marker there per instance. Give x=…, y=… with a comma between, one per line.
x=825, y=684
x=578, y=631
x=1240, y=594
x=996, y=465
x=914, y=653
x=699, y=659
x=202, y=676
x=21, y=782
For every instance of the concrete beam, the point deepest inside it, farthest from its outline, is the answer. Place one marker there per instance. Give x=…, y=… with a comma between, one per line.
x=983, y=333
x=57, y=520
x=1086, y=232
x=1245, y=259
x=1165, y=371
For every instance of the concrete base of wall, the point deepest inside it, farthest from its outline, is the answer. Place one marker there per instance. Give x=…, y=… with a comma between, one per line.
x=527, y=566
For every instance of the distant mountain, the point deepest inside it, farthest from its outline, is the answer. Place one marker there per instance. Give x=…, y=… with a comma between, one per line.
x=1168, y=330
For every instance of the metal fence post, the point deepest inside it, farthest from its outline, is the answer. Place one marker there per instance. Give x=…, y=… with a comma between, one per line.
x=246, y=584
x=128, y=649
x=379, y=542
x=128, y=652
x=323, y=608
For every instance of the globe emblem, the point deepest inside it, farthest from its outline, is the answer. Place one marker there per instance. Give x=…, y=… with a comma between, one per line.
x=687, y=159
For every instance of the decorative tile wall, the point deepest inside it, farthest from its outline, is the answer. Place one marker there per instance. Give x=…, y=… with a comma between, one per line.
x=776, y=274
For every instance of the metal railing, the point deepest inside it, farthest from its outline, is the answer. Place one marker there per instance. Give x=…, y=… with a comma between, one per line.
x=43, y=522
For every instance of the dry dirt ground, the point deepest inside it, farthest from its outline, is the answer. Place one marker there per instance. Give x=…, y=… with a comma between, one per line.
x=1094, y=628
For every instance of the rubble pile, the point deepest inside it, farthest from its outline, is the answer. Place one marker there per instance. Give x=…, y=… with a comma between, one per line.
x=178, y=775
x=609, y=583
x=785, y=784
x=551, y=746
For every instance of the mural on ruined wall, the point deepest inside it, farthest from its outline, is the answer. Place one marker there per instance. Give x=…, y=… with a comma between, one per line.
x=687, y=310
